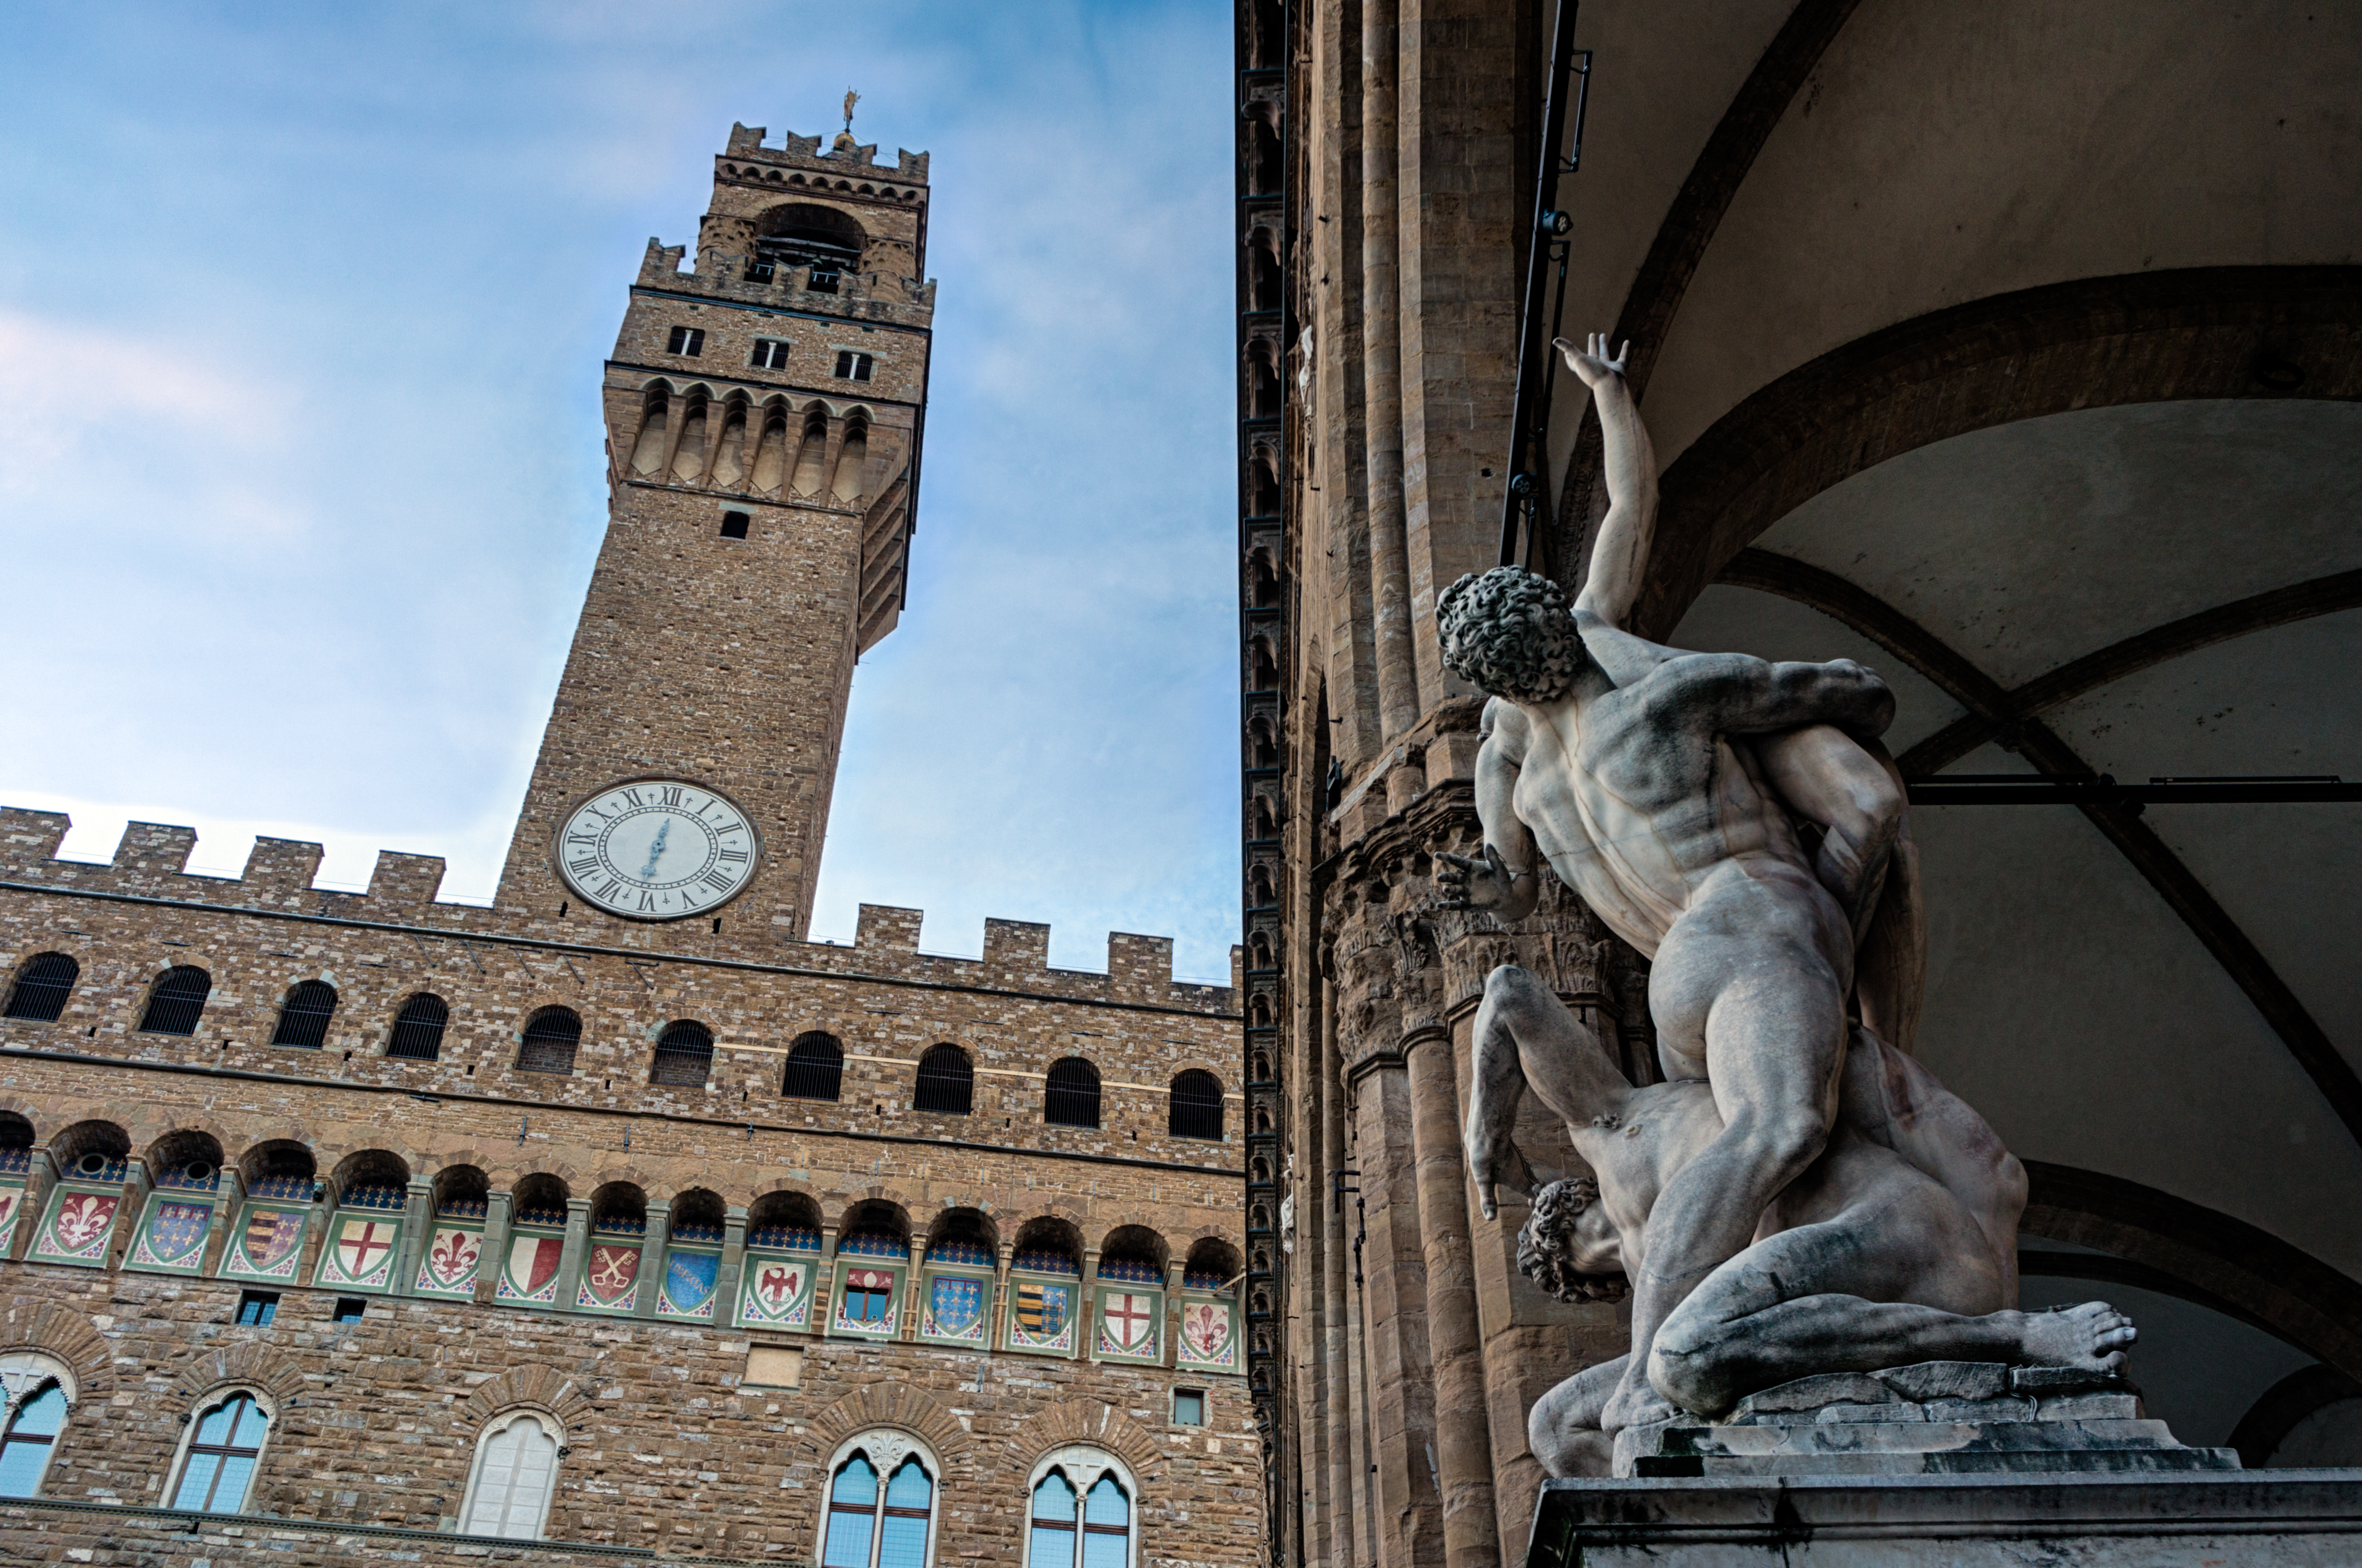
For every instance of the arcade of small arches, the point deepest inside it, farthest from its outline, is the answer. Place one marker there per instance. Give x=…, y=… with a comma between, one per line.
x=943, y=1083
x=733, y=441
x=817, y=182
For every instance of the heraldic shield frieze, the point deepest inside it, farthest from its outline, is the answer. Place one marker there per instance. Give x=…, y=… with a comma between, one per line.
x=1208, y=1334
x=448, y=1265
x=869, y=1301
x=775, y=1291
x=689, y=1276
x=1131, y=1326
x=610, y=1278
x=1041, y=1316
x=12, y=1204
x=360, y=1253
x=77, y=1227
x=955, y=1308
x=529, y=1273
x=266, y=1243
x=172, y=1237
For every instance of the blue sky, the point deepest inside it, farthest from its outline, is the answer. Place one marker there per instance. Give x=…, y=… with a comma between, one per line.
x=301, y=311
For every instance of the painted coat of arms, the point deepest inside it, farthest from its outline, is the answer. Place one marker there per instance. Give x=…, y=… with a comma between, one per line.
x=174, y=1236
x=866, y=1303
x=360, y=1253
x=1040, y=1315
x=269, y=1246
x=450, y=1266
x=777, y=1292
x=611, y=1277
x=688, y=1280
x=531, y=1271
x=1206, y=1334
x=79, y=1226
x=12, y=1199
x=955, y=1307
x=1128, y=1323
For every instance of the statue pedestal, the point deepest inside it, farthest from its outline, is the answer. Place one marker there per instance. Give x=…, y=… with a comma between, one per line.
x=2257, y=1518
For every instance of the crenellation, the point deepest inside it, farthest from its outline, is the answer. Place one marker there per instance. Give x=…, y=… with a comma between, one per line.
x=883, y=926
x=279, y=870
x=30, y=838
x=403, y=885
x=1017, y=946
x=150, y=852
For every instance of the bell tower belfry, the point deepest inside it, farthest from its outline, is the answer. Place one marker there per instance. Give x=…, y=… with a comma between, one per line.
x=765, y=410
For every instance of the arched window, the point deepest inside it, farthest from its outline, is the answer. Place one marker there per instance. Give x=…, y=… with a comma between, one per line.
x=303, y=1016
x=870, y=1527
x=516, y=1471
x=39, y=1396
x=684, y=1056
x=418, y=1031
x=41, y=989
x=1071, y=1096
x=815, y=1068
x=550, y=1037
x=1081, y=1514
x=178, y=1002
x=224, y=1449
x=946, y=1081
x=1196, y=1108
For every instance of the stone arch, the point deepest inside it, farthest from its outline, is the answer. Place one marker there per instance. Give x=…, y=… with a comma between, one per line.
x=1091, y=1422
x=251, y=1363
x=890, y=1404
x=67, y=1335
x=535, y=1385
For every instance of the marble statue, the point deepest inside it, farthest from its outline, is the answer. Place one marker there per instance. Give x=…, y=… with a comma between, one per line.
x=1738, y=821
x=1897, y=1245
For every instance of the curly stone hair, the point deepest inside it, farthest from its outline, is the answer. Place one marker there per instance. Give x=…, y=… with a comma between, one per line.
x=1511, y=633
x=1545, y=1244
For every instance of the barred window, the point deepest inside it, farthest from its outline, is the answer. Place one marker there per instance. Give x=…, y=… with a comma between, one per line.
x=684, y=1056
x=815, y=1068
x=1071, y=1096
x=688, y=341
x=946, y=1081
x=854, y=367
x=418, y=1031
x=303, y=1016
x=1196, y=1105
x=178, y=1002
x=551, y=1036
x=41, y=989
x=770, y=354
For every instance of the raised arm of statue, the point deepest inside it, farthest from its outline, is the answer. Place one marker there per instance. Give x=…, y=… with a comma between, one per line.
x=1621, y=555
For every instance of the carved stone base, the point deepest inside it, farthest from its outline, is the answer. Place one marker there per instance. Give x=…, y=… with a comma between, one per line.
x=1938, y=1417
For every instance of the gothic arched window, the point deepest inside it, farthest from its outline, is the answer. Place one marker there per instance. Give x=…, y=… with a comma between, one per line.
x=38, y=1399
x=177, y=1001
x=946, y=1081
x=515, y=1476
x=1070, y=1097
x=41, y=989
x=1196, y=1105
x=815, y=1068
x=870, y=1526
x=418, y=1030
x=225, y=1447
x=303, y=1016
x=684, y=1056
x=1081, y=1512
x=551, y=1036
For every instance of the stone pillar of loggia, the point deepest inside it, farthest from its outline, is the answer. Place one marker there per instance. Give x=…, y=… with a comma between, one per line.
x=1463, y=1440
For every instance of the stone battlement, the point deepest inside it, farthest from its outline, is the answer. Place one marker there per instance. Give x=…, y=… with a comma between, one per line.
x=805, y=152
x=150, y=862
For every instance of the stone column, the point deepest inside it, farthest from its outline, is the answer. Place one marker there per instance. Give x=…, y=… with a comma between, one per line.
x=495, y=1255
x=1454, y=1336
x=1170, y=1340
x=569, y=1261
x=824, y=1278
x=315, y=1229
x=992, y=1328
x=1397, y=672
x=41, y=1177
x=910, y=1332
x=1410, y=1502
x=1087, y=1309
x=233, y=1196
x=649, y=1283
x=1341, y=1329
x=733, y=1264
x=136, y=1187
x=417, y=1218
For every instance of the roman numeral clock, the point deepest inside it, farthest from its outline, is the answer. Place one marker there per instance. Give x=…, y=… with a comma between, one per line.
x=658, y=850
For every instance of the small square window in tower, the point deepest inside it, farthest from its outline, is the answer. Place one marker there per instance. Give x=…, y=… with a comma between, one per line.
x=256, y=1308
x=853, y=366
x=734, y=524
x=686, y=340
x=770, y=354
x=1188, y=1407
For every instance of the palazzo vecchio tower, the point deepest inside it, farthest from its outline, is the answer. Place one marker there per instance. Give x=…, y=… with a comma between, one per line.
x=615, y=1214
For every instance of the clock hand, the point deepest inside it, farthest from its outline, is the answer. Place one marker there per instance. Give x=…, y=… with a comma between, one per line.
x=656, y=850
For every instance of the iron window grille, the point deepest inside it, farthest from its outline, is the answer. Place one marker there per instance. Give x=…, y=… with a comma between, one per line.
x=1196, y=1105
x=178, y=1002
x=1070, y=1097
x=770, y=354
x=684, y=1056
x=303, y=1016
x=815, y=1068
x=551, y=1037
x=854, y=367
x=946, y=1081
x=41, y=989
x=687, y=341
x=418, y=1032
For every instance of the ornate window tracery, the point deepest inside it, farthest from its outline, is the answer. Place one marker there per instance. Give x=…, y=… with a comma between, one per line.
x=37, y=1392
x=515, y=1476
x=870, y=1524
x=1080, y=1512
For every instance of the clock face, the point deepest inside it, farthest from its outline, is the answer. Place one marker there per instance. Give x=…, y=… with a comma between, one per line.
x=658, y=850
